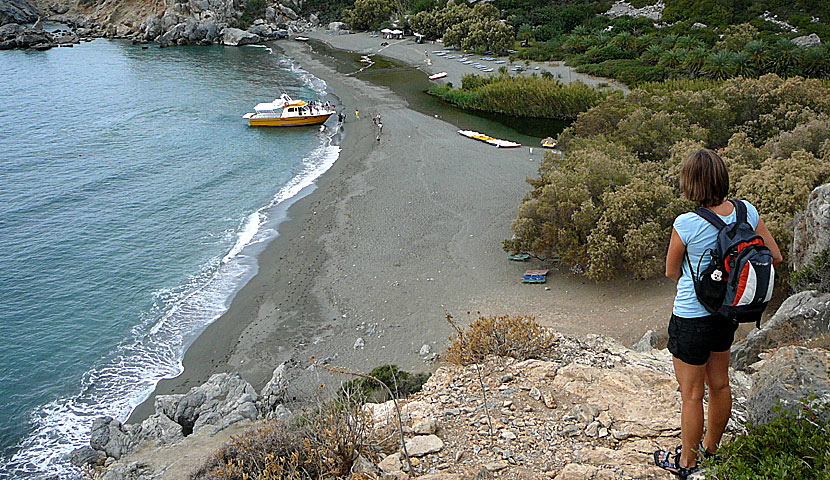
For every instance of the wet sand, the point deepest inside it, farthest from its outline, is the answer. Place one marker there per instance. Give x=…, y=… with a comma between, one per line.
x=397, y=234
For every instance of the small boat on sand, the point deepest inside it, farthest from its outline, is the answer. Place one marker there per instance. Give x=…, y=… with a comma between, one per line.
x=287, y=112
x=548, y=143
x=301, y=39
x=438, y=75
x=488, y=139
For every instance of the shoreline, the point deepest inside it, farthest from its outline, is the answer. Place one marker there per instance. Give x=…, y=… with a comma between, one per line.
x=394, y=236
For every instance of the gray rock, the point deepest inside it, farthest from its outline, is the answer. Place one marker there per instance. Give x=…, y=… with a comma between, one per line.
x=335, y=26
x=789, y=376
x=222, y=401
x=803, y=316
x=314, y=20
x=262, y=30
x=807, y=41
x=167, y=404
x=273, y=393
x=425, y=349
x=363, y=466
x=421, y=445
x=698, y=25
x=66, y=39
x=108, y=435
x=645, y=344
x=621, y=8
x=812, y=228
x=18, y=11
x=158, y=429
x=287, y=11
x=132, y=471
x=171, y=36
x=237, y=37
x=83, y=456
x=359, y=343
x=270, y=14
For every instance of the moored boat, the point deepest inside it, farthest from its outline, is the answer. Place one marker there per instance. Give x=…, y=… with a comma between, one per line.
x=287, y=112
x=488, y=139
x=438, y=75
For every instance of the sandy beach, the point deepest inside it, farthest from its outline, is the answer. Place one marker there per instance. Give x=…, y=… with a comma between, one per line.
x=397, y=234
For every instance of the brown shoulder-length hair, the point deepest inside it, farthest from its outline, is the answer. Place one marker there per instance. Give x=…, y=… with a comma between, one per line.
x=704, y=178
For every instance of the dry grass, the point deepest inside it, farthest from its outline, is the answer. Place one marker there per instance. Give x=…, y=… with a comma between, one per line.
x=322, y=443
x=519, y=337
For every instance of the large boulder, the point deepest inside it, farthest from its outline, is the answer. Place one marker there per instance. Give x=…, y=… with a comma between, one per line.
x=785, y=379
x=224, y=400
x=337, y=26
x=807, y=41
x=811, y=235
x=802, y=317
x=158, y=429
x=18, y=11
x=237, y=37
x=108, y=435
x=273, y=393
x=287, y=12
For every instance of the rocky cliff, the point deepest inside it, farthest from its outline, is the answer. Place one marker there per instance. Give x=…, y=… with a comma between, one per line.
x=167, y=22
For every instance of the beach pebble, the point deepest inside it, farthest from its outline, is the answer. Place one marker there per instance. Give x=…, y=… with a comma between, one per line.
x=359, y=343
x=425, y=349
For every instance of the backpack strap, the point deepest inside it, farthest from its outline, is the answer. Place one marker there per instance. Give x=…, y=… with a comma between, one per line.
x=710, y=217
x=740, y=211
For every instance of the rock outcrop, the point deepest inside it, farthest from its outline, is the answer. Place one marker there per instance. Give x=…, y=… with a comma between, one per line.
x=622, y=8
x=224, y=400
x=788, y=377
x=807, y=41
x=802, y=317
x=18, y=11
x=811, y=234
x=13, y=35
x=594, y=410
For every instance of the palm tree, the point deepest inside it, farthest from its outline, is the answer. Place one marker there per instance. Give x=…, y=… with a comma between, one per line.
x=626, y=41
x=684, y=41
x=757, y=51
x=669, y=40
x=719, y=65
x=742, y=65
x=815, y=63
x=695, y=61
x=786, y=57
x=652, y=54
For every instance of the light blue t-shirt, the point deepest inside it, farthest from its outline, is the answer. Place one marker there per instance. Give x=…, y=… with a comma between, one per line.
x=699, y=235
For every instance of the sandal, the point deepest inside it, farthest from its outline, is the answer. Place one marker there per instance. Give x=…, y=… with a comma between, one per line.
x=671, y=462
x=707, y=455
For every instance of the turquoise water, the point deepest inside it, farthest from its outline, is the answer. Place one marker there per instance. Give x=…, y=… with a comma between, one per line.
x=132, y=200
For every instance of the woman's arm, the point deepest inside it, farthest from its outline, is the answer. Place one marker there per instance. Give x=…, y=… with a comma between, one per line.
x=674, y=258
x=763, y=231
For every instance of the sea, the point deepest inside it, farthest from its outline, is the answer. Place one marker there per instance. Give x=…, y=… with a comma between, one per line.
x=133, y=202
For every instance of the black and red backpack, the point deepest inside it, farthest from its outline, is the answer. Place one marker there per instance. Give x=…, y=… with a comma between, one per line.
x=737, y=284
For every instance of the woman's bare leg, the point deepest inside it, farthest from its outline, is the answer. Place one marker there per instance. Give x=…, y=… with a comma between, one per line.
x=720, y=399
x=691, y=378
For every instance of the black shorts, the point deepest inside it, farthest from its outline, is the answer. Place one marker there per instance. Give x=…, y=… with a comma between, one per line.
x=692, y=340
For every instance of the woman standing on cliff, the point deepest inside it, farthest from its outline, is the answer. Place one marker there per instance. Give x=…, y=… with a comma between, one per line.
x=700, y=341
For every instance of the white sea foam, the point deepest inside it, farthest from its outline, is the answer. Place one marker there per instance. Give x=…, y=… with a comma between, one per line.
x=157, y=345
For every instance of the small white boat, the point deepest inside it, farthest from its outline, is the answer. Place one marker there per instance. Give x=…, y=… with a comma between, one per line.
x=438, y=75
x=488, y=139
x=301, y=39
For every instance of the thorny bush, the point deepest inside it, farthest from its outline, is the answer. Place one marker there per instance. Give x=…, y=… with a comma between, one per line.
x=519, y=337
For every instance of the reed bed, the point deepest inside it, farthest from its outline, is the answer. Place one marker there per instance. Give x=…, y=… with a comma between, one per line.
x=521, y=96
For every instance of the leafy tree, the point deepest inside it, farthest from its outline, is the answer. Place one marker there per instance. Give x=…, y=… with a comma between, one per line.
x=368, y=14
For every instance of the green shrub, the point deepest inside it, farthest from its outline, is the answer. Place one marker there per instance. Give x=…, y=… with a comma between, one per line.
x=815, y=276
x=400, y=383
x=788, y=447
x=368, y=14
x=606, y=206
x=253, y=9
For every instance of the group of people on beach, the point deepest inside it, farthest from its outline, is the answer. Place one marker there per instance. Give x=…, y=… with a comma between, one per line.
x=700, y=341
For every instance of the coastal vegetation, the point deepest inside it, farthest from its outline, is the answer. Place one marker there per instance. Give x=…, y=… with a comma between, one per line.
x=791, y=446
x=519, y=337
x=399, y=382
x=606, y=205
x=322, y=443
x=538, y=96
x=477, y=29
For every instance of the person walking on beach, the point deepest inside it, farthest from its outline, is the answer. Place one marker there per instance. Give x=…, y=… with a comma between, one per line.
x=357, y=114
x=699, y=341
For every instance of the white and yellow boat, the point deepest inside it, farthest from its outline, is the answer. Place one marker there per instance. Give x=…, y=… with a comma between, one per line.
x=287, y=112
